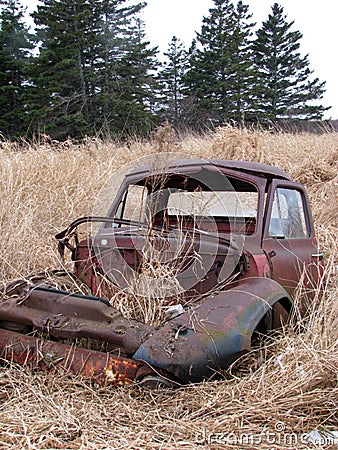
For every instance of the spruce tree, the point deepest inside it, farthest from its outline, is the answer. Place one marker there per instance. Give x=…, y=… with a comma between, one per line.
x=15, y=47
x=63, y=72
x=286, y=88
x=93, y=74
x=114, y=19
x=221, y=75
x=139, y=65
x=242, y=72
x=171, y=81
x=126, y=71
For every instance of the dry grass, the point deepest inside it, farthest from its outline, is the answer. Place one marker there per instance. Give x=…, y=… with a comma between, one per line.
x=45, y=186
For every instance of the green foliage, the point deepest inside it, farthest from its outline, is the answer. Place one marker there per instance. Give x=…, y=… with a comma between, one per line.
x=89, y=70
x=171, y=79
x=15, y=47
x=286, y=88
x=94, y=69
x=221, y=76
x=61, y=73
x=125, y=70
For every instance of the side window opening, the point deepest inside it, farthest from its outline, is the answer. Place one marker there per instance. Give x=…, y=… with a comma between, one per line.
x=132, y=206
x=287, y=215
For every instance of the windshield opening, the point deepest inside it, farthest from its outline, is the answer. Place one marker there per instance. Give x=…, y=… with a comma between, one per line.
x=210, y=203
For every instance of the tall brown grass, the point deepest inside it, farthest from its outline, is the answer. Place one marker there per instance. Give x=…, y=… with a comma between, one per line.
x=289, y=390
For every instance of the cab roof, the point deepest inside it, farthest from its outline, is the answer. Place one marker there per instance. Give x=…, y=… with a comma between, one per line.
x=186, y=165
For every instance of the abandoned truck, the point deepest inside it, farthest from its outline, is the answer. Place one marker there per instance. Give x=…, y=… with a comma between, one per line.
x=217, y=246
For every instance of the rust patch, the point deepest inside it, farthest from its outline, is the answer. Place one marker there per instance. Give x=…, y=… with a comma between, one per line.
x=102, y=368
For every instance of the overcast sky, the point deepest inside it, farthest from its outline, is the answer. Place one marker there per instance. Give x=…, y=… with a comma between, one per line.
x=316, y=20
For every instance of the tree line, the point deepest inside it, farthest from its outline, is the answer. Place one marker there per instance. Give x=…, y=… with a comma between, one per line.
x=87, y=69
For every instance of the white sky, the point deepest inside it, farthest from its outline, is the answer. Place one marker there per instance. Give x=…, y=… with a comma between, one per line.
x=316, y=20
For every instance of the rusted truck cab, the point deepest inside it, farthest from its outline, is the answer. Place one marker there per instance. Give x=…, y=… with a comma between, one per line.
x=219, y=245
x=242, y=219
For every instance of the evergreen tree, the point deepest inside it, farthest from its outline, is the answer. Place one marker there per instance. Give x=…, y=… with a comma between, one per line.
x=63, y=72
x=129, y=73
x=286, y=90
x=241, y=72
x=15, y=47
x=140, y=65
x=114, y=18
x=171, y=80
x=93, y=73
x=221, y=75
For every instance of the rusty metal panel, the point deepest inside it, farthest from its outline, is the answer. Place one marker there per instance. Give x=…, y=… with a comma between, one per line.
x=49, y=356
x=193, y=164
x=211, y=336
x=64, y=315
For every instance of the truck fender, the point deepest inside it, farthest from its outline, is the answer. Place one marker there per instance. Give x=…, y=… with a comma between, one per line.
x=212, y=335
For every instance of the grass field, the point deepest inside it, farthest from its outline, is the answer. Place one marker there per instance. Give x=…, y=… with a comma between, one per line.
x=293, y=390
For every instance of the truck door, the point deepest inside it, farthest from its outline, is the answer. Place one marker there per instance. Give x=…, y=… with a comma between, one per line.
x=289, y=237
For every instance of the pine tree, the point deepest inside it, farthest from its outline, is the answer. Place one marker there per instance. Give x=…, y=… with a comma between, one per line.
x=138, y=70
x=93, y=74
x=220, y=79
x=127, y=77
x=15, y=47
x=63, y=72
x=286, y=89
x=114, y=19
x=171, y=80
x=241, y=72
